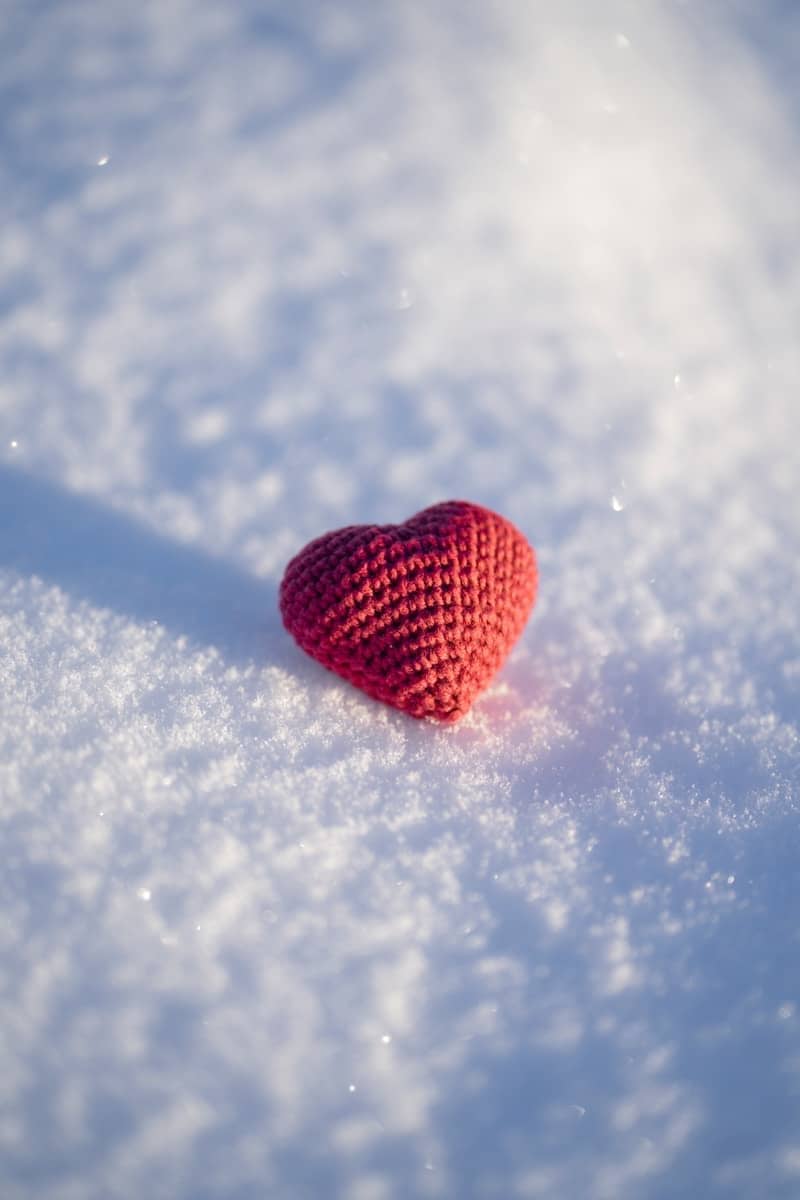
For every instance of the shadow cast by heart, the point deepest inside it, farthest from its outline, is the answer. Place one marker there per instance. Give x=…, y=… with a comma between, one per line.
x=112, y=561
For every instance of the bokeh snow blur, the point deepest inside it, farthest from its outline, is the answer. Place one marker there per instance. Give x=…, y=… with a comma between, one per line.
x=268, y=269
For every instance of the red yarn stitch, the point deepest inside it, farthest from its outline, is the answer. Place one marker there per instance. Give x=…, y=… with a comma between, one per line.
x=419, y=615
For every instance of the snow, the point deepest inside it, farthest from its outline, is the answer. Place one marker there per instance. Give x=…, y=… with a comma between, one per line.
x=269, y=270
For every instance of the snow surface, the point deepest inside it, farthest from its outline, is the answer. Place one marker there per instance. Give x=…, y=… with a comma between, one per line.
x=269, y=269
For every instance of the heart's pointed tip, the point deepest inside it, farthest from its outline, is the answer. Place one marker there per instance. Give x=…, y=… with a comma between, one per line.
x=422, y=616
x=453, y=718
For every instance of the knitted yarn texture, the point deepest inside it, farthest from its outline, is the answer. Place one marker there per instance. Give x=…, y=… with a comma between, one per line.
x=419, y=615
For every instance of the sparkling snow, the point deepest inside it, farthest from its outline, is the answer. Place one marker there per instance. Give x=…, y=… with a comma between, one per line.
x=271, y=269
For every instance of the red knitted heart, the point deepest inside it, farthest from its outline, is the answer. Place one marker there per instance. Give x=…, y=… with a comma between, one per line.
x=419, y=615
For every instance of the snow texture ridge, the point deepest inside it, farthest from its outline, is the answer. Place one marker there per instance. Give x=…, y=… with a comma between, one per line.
x=272, y=270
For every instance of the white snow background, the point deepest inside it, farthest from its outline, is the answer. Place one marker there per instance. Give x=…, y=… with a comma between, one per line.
x=269, y=269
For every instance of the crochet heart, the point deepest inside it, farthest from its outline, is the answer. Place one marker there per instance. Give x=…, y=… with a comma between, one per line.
x=419, y=615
